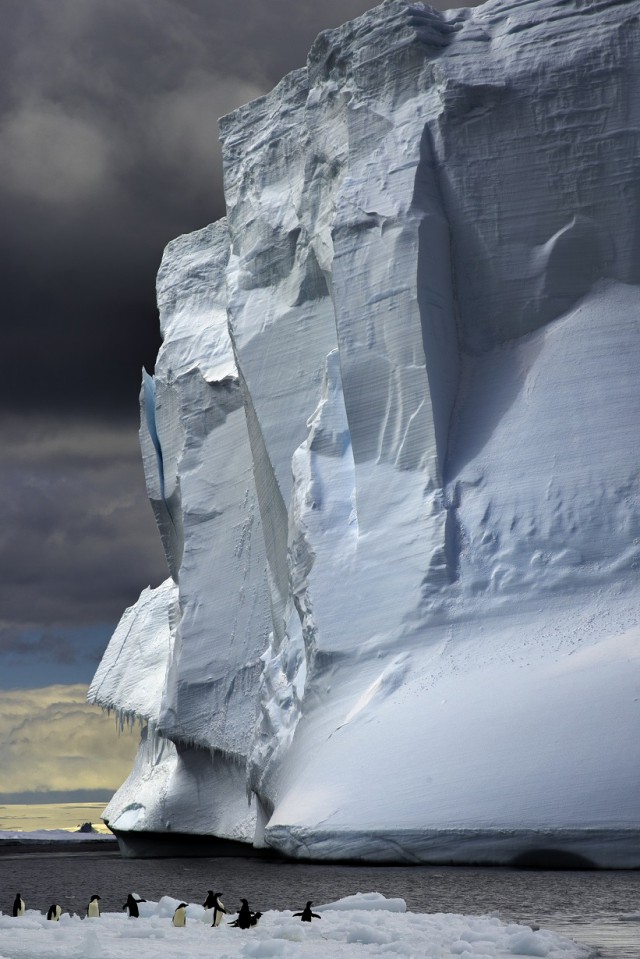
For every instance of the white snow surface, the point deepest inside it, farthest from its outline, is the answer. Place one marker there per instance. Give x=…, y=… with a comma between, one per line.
x=362, y=925
x=391, y=445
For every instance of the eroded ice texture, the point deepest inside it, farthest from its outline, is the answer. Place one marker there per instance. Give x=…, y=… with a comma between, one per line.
x=431, y=289
x=200, y=482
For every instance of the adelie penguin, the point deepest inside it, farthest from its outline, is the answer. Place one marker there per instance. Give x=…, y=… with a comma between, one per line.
x=93, y=909
x=213, y=902
x=132, y=905
x=180, y=915
x=306, y=915
x=254, y=919
x=244, y=916
x=54, y=912
x=18, y=906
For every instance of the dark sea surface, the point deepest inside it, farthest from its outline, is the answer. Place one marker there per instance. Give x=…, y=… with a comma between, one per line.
x=595, y=908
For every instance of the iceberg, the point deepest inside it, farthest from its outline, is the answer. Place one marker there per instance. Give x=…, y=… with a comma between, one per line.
x=185, y=660
x=390, y=443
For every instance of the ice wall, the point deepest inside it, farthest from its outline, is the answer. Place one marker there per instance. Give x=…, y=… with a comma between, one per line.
x=203, y=632
x=431, y=293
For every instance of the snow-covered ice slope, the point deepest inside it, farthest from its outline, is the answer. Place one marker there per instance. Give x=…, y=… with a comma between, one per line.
x=431, y=287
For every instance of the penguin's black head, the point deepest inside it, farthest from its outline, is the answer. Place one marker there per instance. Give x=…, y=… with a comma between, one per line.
x=245, y=901
x=94, y=897
x=216, y=894
x=310, y=903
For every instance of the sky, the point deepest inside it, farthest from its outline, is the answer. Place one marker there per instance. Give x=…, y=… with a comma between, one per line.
x=108, y=150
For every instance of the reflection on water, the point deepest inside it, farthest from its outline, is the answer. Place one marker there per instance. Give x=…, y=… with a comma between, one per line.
x=588, y=906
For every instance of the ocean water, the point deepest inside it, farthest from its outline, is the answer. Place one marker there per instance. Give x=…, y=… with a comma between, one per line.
x=595, y=908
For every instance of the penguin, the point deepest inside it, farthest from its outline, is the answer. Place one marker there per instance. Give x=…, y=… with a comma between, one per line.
x=306, y=915
x=180, y=915
x=213, y=902
x=54, y=912
x=244, y=916
x=93, y=909
x=255, y=918
x=132, y=905
x=18, y=906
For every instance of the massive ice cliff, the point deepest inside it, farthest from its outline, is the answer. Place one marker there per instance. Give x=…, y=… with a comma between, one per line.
x=391, y=443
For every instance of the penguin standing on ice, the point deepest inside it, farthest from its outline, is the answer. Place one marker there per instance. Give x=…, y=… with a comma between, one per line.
x=244, y=916
x=54, y=912
x=306, y=915
x=218, y=910
x=214, y=902
x=255, y=918
x=180, y=915
x=93, y=909
x=18, y=906
x=132, y=905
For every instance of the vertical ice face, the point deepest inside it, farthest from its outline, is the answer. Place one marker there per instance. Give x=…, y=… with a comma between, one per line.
x=328, y=195
x=216, y=549
x=202, y=707
x=282, y=326
x=391, y=447
x=527, y=138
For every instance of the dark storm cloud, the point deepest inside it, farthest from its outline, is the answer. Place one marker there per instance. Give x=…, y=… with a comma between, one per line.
x=46, y=645
x=77, y=541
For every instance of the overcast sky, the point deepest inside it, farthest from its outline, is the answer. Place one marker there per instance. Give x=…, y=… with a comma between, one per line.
x=108, y=149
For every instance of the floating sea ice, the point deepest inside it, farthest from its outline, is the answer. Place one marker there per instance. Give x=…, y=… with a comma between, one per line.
x=358, y=927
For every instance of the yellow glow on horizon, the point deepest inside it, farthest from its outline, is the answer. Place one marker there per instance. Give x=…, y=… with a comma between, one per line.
x=29, y=817
x=52, y=739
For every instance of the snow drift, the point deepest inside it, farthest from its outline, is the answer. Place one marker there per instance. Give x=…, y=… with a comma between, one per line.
x=391, y=445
